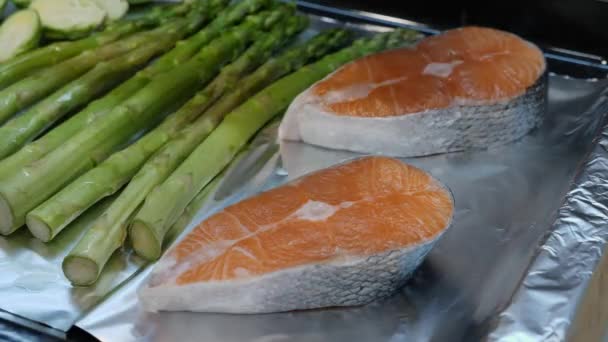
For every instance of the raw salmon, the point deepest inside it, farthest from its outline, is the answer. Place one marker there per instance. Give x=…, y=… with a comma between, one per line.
x=341, y=236
x=470, y=87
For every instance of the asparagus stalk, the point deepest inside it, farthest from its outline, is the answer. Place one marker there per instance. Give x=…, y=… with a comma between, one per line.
x=167, y=201
x=51, y=54
x=181, y=53
x=171, y=155
x=25, y=92
x=48, y=219
x=290, y=60
x=85, y=262
x=196, y=205
x=23, y=128
x=24, y=190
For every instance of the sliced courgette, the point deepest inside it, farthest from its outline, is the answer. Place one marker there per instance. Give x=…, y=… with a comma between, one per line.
x=138, y=2
x=68, y=19
x=22, y=3
x=115, y=9
x=19, y=33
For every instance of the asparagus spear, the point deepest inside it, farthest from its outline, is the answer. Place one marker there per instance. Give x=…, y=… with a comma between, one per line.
x=167, y=201
x=290, y=60
x=171, y=155
x=85, y=262
x=23, y=128
x=27, y=91
x=182, y=52
x=48, y=219
x=24, y=190
x=51, y=54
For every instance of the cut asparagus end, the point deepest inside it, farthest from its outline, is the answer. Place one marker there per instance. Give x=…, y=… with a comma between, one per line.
x=115, y=9
x=69, y=18
x=6, y=217
x=144, y=242
x=19, y=33
x=2, y=5
x=80, y=271
x=38, y=228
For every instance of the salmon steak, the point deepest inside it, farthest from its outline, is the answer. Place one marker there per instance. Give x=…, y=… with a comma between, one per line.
x=470, y=87
x=341, y=236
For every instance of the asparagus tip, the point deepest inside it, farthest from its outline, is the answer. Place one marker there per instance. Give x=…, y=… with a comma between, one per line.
x=144, y=242
x=38, y=228
x=80, y=271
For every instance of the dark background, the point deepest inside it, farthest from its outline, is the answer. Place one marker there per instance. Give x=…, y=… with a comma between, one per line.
x=580, y=25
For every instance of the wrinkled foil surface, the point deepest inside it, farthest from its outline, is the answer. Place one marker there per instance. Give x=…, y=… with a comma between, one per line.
x=470, y=287
x=529, y=230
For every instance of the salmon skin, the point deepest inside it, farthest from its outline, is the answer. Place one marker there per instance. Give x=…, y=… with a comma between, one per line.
x=466, y=88
x=342, y=236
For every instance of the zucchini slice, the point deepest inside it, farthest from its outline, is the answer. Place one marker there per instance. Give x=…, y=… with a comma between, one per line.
x=68, y=19
x=19, y=33
x=115, y=9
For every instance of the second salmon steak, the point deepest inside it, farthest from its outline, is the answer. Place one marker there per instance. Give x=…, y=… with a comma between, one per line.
x=341, y=236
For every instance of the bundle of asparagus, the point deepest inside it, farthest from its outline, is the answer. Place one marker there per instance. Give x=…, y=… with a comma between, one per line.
x=27, y=63
x=48, y=219
x=181, y=53
x=154, y=171
x=16, y=132
x=22, y=191
x=168, y=200
x=228, y=76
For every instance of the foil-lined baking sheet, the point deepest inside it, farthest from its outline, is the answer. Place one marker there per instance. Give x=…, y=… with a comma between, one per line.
x=507, y=202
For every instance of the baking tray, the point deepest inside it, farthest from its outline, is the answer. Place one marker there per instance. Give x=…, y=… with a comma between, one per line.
x=527, y=237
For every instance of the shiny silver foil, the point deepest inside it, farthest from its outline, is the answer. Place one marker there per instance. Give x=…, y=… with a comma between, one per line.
x=507, y=200
x=529, y=230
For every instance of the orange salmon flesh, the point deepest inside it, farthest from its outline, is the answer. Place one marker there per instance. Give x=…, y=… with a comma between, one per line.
x=470, y=64
x=360, y=208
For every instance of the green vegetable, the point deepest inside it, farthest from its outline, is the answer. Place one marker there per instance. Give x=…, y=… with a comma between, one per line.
x=199, y=201
x=167, y=201
x=33, y=88
x=22, y=191
x=21, y=3
x=181, y=53
x=69, y=18
x=115, y=9
x=107, y=235
x=81, y=266
x=19, y=33
x=171, y=155
x=48, y=219
x=18, y=131
x=29, y=62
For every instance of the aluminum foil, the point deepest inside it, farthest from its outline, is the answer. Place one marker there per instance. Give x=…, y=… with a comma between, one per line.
x=493, y=275
x=506, y=202
x=567, y=259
